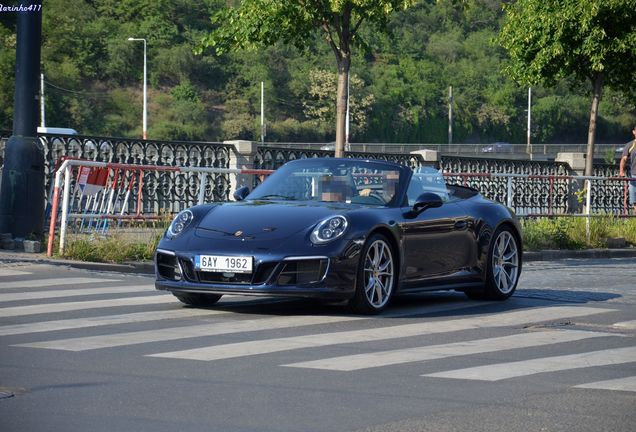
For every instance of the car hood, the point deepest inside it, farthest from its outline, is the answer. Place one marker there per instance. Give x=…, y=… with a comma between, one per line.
x=264, y=220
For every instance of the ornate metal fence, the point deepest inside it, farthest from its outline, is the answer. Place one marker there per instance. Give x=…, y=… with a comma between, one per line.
x=607, y=195
x=169, y=191
x=173, y=191
x=274, y=157
x=529, y=196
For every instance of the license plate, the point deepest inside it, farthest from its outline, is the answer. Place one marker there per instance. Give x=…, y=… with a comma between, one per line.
x=225, y=264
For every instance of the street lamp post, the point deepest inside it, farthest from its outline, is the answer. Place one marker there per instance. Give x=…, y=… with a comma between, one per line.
x=145, y=118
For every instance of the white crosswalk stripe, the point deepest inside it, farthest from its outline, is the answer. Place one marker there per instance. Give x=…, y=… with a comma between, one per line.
x=627, y=325
x=77, y=323
x=163, y=334
x=265, y=346
x=501, y=371
x=627, y=384
x=36, y=295
x=81, y=305
x=434, y=352
x=12, y=272
x=178, y=333
x=40, y=283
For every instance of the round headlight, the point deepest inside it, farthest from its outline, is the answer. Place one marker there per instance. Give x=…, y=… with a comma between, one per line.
x=329, y=230
x=180, y=223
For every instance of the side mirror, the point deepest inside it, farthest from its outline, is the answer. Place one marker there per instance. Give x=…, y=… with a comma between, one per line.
x=241, y=193
x=427, y=200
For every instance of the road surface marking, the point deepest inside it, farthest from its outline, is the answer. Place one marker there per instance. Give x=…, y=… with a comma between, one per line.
x=243, y=349
x=34, y=295
x=621, y=384
x=39, y=283
x=178, y=333
x=158, y=335
x=628, y=325
x=81, y=305
x=501, y=371
x=77, y=323
x=433, y=352
x=11, y=272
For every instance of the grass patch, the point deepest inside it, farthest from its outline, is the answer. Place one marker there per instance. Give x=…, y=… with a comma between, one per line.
x=116, y=248
x=570, y=232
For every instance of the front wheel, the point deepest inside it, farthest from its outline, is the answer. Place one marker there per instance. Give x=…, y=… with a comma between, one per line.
x=376, y=279
x=198, y=300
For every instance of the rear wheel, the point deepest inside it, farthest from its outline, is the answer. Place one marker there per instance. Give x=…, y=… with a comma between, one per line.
x=503, y=267
x=377, y=278
x=201, y=300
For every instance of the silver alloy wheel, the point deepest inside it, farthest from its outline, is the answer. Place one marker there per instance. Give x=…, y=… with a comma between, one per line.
x=378, y=273
x=505, y=262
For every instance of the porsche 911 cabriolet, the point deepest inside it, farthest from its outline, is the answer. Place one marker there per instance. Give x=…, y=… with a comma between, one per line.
x=360, y=231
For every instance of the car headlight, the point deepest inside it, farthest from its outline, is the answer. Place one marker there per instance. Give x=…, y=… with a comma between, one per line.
x=180, y=223
x=329, y=230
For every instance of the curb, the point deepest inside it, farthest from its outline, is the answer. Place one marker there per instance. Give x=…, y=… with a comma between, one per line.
x=139, y=267
x=147, y=267
x=552, y=255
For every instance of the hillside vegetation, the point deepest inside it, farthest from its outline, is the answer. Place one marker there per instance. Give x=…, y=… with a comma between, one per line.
x=399, y=84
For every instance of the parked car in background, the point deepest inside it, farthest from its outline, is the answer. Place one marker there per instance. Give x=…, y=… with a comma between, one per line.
x=498, y=147
x=56, y=130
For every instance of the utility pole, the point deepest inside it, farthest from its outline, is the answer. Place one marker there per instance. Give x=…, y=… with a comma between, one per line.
x=347, y=147
x=145, y=113
x=529, y=144
x=22, y=188
x=263, y=132
x=450, y=115
x=42, y=111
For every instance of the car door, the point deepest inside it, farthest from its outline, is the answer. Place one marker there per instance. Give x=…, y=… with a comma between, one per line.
x=437, y=242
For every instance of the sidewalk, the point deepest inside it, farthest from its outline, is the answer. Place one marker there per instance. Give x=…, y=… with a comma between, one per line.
x=147, y=267
x=13, y=256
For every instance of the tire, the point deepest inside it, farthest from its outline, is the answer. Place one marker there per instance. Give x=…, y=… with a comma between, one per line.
x=199, y=300
x=504, y=265
x=377, y=277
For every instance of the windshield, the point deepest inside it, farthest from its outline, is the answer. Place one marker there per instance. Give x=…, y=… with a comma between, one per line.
x=332, y=180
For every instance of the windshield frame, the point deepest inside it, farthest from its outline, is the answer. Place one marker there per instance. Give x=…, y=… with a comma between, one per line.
x=272, y=184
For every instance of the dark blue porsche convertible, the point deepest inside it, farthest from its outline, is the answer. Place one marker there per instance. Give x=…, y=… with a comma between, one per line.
x=343, y=229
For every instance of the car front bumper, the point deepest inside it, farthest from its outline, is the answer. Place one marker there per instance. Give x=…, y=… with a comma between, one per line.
x=330, y=275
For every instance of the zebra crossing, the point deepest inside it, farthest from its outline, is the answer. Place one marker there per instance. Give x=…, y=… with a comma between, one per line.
x=113, y=302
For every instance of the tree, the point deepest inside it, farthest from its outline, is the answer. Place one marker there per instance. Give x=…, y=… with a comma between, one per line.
x=593, y=41
x=264, y=22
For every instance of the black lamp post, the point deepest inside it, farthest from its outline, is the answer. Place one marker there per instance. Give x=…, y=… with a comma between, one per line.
x=22, y=187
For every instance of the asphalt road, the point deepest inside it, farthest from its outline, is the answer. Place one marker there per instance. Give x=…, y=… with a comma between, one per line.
x=92, y=351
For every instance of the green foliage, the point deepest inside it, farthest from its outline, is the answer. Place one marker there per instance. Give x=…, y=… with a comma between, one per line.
x=549, y=40
x=117, y=248
x=571, y=233
x=94, y=76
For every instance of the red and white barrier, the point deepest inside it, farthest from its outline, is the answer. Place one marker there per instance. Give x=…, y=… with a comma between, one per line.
x=104, y=182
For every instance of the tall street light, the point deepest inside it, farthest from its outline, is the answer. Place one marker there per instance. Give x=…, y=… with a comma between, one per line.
x=145, y=120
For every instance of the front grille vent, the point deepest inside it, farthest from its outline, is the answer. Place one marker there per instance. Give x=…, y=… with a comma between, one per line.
x=302, y=272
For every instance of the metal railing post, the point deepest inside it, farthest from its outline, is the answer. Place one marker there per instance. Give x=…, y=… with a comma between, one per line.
x=509, y=192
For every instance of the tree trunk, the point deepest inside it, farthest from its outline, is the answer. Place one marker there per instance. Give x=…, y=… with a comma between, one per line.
x=591, y=134
x=344, y=65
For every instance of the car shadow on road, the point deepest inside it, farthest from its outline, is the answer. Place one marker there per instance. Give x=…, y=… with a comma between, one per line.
x=418, y=305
